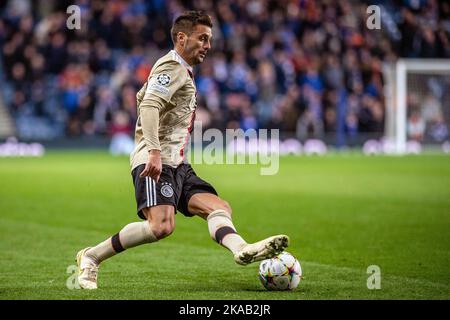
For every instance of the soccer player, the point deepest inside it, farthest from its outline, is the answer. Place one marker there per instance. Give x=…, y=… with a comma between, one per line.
x=163, y=181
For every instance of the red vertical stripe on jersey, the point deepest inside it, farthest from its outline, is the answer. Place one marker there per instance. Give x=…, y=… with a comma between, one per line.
x=191, y=126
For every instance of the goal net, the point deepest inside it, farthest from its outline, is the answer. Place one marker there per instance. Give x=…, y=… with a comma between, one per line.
x=417, y=93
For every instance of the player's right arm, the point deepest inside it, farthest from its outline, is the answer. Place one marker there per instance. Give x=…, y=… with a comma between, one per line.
x=150, y=126
x=162, y=84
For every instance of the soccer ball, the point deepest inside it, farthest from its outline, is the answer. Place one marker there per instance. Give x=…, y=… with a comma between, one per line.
x=282, y=272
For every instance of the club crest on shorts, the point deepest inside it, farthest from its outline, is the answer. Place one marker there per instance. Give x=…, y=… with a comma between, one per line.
x=163, y=79
x=166, y=190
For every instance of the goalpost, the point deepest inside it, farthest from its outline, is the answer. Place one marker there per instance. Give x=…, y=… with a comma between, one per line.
x=416, y=90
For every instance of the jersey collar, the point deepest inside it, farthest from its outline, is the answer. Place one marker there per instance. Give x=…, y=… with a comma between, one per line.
x=179, y=59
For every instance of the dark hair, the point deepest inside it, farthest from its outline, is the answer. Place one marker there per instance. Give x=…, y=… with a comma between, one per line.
x=187, y=21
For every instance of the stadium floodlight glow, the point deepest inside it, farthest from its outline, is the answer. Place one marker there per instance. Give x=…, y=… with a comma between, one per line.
x=396, y=94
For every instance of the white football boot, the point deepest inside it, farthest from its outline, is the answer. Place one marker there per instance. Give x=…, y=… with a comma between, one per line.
x=87, y=271
x=264, y=249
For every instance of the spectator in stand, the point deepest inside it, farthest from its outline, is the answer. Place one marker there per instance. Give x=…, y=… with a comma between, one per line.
x=300, y=66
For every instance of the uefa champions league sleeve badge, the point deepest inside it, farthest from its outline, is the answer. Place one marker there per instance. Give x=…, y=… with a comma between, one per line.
x=163, y=79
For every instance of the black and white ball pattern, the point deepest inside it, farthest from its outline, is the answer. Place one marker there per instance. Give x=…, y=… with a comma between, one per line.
x=163, y=79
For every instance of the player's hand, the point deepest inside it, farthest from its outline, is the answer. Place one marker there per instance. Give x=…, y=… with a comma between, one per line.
x=153, y=168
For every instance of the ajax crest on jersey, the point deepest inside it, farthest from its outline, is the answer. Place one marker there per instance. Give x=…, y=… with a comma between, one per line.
x=282, y=272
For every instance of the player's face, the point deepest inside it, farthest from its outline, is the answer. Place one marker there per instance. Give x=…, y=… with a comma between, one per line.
x=198, y=44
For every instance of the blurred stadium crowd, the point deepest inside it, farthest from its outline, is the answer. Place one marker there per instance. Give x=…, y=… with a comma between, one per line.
x=306, y=67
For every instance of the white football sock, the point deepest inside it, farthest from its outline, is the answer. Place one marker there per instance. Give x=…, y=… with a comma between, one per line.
x=132, y=235
x=222, y=230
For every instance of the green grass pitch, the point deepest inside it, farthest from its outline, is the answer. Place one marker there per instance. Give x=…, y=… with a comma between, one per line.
x=343, y=213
